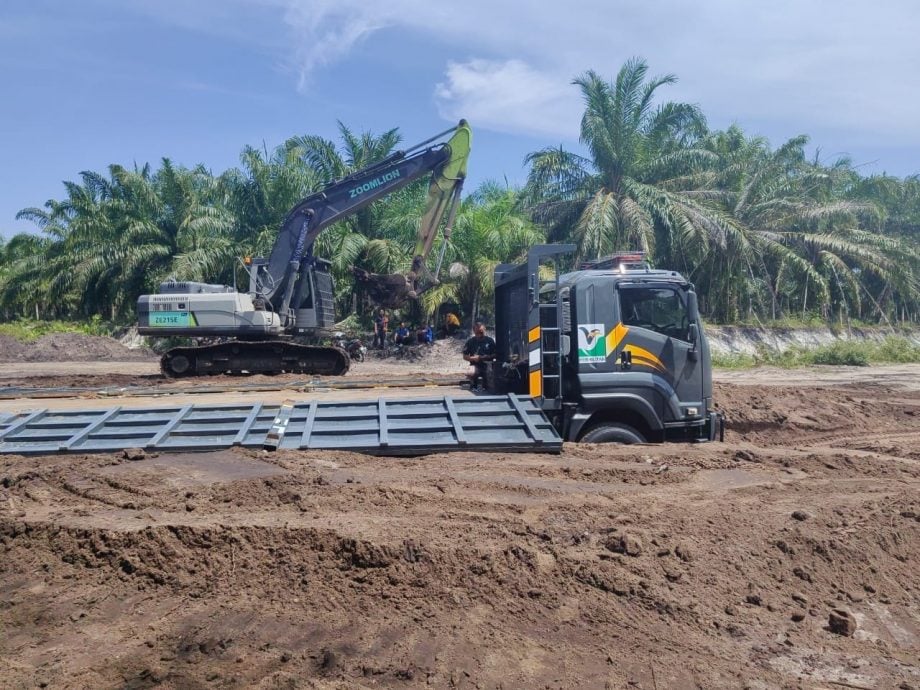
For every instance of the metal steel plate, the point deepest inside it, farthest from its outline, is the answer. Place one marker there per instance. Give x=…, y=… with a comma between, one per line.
x=414, y=426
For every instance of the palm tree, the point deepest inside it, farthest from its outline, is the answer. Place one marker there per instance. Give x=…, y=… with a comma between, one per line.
x=633, y=192
x=24, y=288
x=800, y=240
x=491, y=228
x=899, y=203
x=155, y=225
x=264, y=191
x=766, y=193
x=114, y=238
x=49, y=271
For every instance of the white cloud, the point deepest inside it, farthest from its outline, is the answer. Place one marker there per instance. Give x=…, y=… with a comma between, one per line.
x=794, y=65
x=324, y=32
x=509, y=96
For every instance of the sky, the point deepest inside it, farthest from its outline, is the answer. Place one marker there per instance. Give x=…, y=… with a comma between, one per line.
x=87, y=83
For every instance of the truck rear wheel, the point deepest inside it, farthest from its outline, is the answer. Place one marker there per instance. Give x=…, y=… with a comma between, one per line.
x=613, y=432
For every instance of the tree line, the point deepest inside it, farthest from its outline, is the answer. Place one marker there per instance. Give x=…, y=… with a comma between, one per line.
x=765, y=233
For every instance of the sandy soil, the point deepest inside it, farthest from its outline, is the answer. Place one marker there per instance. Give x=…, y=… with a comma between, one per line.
x=673, y=566
x=103, y=362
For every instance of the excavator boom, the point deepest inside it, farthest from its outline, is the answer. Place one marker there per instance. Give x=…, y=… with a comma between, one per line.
x=445, y=162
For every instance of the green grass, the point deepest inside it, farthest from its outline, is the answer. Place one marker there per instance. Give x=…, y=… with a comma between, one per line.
x=892, y=350
x=28, y=330
x=734, y=360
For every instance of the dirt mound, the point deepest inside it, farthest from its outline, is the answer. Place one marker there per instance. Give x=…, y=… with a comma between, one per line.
x=69, y=347
x=772, y=414
x=12, y=349
x=441, y=357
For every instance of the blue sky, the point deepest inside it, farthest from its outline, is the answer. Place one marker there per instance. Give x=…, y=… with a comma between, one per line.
x=86, y=83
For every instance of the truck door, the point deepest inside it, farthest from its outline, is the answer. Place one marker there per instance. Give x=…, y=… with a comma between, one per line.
x=656, y=338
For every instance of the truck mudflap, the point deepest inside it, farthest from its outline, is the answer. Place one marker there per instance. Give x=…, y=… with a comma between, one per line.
x=716, y=426
x=404, y=427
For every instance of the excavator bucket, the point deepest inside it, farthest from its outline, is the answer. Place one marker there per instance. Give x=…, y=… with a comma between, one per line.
x=389, y=290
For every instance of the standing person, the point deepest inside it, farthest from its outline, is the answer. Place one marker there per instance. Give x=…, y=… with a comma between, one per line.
x=478, y=351
x=381, y=321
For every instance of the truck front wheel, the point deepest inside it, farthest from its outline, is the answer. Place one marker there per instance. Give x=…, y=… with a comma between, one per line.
x=613, y=432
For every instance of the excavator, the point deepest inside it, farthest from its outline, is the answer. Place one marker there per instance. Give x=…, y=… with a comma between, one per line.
x=290, y=295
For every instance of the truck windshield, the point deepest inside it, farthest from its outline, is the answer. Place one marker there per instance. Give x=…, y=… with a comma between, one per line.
x=658, y=309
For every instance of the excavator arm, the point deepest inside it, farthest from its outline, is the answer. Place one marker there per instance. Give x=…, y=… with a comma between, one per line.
x=443, y=193
x=445, y=162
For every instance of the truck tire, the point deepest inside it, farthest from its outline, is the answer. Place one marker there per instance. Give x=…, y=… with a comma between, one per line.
x=613, y=432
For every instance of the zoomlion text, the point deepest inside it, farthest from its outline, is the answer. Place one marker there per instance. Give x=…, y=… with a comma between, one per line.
x=373, y=184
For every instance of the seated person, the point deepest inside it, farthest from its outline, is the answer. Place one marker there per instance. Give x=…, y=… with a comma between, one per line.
x=401, y=337
x=478, y=351
x=425, y=335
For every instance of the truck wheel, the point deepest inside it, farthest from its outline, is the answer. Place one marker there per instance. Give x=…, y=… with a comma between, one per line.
x=613, y=432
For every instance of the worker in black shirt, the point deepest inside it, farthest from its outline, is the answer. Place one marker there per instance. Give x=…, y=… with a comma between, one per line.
x=478, y=351
x=381, y=323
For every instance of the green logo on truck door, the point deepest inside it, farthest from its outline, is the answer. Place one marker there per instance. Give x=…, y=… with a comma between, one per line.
x=170, y=319
x=592, y=345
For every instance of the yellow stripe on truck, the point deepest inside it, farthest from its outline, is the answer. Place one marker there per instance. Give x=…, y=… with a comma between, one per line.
x=615, y=337
x=536, y=384
x=533, y=334
x=642, y=356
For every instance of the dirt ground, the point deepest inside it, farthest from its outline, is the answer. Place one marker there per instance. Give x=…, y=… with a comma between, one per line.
x=673, y=566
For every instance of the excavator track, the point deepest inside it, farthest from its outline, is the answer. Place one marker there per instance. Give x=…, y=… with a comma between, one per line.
x=254, y=357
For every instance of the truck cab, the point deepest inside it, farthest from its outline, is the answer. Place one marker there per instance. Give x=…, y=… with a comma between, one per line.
x=613, y=351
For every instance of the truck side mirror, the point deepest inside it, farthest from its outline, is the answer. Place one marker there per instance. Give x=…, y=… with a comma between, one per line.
x=693, y=310
x=694, y=335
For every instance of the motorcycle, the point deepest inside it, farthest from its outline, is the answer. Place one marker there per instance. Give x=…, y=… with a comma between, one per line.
x=353, y=346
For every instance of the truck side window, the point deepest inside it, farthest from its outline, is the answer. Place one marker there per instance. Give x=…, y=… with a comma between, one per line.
x=656, y=309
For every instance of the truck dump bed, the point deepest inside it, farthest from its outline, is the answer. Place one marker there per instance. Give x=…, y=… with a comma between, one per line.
x=404, y=427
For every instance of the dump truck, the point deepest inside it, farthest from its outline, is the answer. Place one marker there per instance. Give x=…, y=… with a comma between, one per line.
x=613, y=351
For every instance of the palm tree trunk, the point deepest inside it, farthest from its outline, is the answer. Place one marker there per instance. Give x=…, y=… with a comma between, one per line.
x=805, y=300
